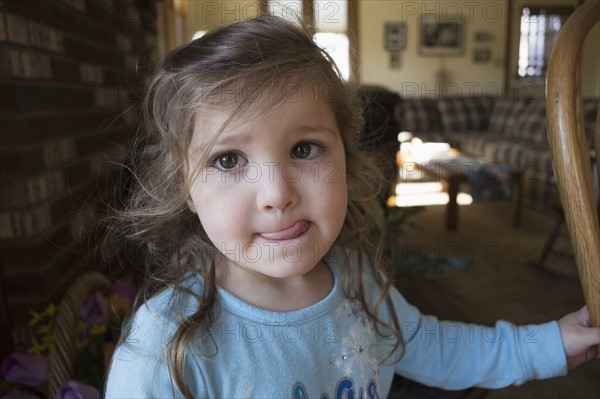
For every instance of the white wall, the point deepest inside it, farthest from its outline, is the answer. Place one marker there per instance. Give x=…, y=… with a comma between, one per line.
x=418, y=74
x=590, y=64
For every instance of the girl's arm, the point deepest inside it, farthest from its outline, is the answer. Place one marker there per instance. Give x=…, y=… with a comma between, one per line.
x=454, y=355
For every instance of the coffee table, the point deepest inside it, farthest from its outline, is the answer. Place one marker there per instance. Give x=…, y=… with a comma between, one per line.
x=453, y=172
x=442, y=163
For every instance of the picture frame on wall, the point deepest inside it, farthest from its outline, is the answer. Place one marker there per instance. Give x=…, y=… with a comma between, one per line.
x=482, y=37
x=482, y=55
x=395, y=36
x=441, y=36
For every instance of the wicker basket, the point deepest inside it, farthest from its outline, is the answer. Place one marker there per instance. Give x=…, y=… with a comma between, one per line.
x=61, y=361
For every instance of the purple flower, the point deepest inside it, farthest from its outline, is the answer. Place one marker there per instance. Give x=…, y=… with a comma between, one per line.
x=94, y=310
x=25, y=369
x=76, y=390
x=126, y=290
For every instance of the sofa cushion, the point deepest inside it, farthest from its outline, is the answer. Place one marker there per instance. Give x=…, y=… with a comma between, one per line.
x=419, y=116
x=474, y=144
x=538, y=162
x=531, y=123
x=503, y=117
x=465, y=114
x=520, y=154
x=462, y=140
x=509, y=152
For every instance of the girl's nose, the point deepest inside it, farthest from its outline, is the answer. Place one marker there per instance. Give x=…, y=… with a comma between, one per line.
x=276, y=191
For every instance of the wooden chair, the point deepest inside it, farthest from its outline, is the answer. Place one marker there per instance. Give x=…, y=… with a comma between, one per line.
x=61, y=361
x=570, y=156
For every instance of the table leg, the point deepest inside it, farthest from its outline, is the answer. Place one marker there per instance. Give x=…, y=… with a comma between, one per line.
x=452, y=210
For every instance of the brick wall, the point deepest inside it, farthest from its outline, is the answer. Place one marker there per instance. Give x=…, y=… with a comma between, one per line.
x=70, y=72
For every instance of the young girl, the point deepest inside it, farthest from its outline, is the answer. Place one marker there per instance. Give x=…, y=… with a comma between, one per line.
x=257, y=212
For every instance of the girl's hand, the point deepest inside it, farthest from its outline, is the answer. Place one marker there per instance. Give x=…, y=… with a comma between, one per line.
x=579, y=338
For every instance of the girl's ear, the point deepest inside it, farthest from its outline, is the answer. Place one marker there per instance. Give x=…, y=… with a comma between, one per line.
x=190, y=204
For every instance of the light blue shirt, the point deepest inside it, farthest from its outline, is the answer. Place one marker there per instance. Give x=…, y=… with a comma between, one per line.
x=327, y=350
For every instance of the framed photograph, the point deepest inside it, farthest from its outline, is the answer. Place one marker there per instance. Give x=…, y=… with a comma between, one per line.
x=482, y=55
x=394, y=36
x=482, y=37
x=441, y=36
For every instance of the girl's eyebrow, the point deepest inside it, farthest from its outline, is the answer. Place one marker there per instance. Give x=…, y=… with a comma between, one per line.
x=235, y=138
x=245, y=136
x=316, y=128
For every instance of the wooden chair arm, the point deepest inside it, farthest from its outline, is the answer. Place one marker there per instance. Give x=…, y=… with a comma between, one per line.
x=570, y=158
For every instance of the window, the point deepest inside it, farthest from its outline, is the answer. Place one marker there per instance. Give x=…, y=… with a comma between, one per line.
x=337, y=46
x=198, y=34
x=330, y=21
x=539, y=29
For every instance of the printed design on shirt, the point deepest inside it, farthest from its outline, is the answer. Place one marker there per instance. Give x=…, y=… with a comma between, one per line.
x=345, y=389
x=356, y=355
x=353, y=357
x=357, y=352
x=354, y=310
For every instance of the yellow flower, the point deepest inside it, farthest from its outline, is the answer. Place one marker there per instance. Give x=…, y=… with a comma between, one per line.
x=50, y=310
x=46, y=329
x=81, y=344
x=37, y=347
x=35, y=318
x=97, y=329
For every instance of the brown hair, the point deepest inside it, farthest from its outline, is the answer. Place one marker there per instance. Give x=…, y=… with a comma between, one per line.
x=231, y=65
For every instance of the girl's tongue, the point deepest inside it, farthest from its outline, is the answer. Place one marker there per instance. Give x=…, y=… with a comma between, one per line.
x=287, y=234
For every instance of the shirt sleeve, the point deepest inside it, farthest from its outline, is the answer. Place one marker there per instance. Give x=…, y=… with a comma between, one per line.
x=453, y=355
x=139, y=366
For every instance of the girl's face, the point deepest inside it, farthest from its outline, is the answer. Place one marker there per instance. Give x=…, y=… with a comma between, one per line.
x=272, y=196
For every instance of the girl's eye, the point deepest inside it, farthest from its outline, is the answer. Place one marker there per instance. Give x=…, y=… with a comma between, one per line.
x=229, y=161
x=306, y=150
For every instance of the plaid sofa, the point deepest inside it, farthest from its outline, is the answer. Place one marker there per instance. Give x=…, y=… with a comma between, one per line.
x=421, y=117
x=515, y=134
x=505, y=131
